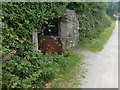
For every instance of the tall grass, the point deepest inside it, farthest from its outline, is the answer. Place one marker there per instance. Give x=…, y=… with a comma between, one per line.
x=98, y=43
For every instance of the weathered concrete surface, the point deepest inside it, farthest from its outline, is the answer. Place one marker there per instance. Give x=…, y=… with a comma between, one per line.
x=65, y=31
x=69, y=27
x=102, y=66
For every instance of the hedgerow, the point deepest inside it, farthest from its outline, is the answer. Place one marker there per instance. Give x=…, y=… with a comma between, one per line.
x=92, y=19
x=21, y=67
x=34, y=72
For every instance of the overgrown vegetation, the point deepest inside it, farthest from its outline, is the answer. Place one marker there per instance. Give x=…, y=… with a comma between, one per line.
x=119, y=10
x=112, y=9
x=92, y=18
x=36, y=71
x=68, y=78
x=22, y=68
x=98, y=44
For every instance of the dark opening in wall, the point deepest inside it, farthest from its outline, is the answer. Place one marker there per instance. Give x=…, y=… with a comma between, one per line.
x=52, y=28
x=63, y=34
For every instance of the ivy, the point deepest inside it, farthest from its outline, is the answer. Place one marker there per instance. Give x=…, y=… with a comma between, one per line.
x=23, y=68
x=92, y=19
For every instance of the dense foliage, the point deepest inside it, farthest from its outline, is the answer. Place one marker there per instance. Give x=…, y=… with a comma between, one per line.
x=21, y=66
x=21, y=19
x=119, y=6
x=34, y=72
x=92, y=18
x=119, y=9
x=112, y=9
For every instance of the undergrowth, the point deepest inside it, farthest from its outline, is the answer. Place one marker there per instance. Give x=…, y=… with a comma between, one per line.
x=21, y=67
x=98, y=43
x=68, y=77
x=36, y=70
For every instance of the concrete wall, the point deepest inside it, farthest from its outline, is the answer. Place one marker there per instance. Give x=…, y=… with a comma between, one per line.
x=68, y=34
x=69, y=28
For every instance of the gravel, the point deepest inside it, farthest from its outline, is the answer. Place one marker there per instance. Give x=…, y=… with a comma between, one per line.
x=102, y=67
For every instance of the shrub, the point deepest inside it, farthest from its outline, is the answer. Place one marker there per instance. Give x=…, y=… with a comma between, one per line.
x=33, y=71
x=92, y=19
x=21, y=67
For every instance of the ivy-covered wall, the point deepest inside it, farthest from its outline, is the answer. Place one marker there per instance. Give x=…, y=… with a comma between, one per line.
x=25, y=17
x=21, y=67
x=92, y=19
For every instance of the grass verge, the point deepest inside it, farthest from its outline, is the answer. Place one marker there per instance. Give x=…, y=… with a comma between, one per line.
x=67, y=78
x=97, y=44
